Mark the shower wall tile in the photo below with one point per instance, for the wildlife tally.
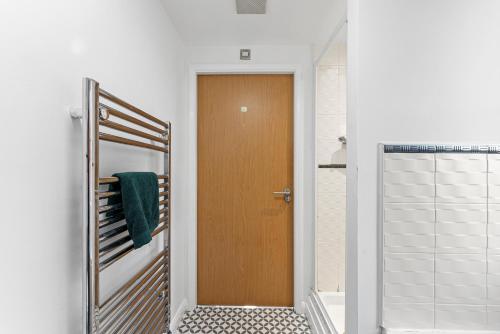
(493, 318)
(494, 280)
(494, 228)
(329, 127)
(461, 228)
(461, 178)
(441, 241)
(408, 278)
(409, 316)
(494, 178)
(331, 184)
(461, 317)
(331, 206)
(461, 279)
(331, 95)
(330, 151)
(409, 227)
(409, 178)
(331, 181)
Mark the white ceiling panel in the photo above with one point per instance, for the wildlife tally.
(216, 22)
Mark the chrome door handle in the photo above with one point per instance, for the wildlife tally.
(286, 193)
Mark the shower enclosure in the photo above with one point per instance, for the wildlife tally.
(331, 143)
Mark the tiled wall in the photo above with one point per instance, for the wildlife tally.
(441, 241)
(331, 183)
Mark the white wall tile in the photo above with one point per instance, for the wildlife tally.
(331, 230)
(409, 177)
(461, 178)
(409, 315)
(329, 127)
(409, 227)
(330, 151)
(494, 178)
(331, 92)
(461, 228)
(494, 318)
(331, 183)
(461, 317)
(494, 228)
(442, 248)
(493, 279)
(461, 279)
(408, 278)
(408, 262)
(332, 206)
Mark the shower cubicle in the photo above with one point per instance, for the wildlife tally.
(331, 145)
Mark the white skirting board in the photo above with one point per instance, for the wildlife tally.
(177, 316)
(435, 331)
(318, 318)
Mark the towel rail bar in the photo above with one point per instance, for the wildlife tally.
(109, 207)
(126, 129)
(137, 299)
(134, 301)
(112, 233)
(108, 221)
(157, 324)
(126, 141)
(147, 312)
(108, 194)
(114, 179)
(155, 264)
(114, 224)
(121, 253)
(115, 257)
(131, 119)
(108, 248)
(128, 106)
(152, 315)
(142, 304)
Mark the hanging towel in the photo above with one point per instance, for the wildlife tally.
(140, 202)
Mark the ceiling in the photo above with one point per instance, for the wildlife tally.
(215, 22)
(336, 53)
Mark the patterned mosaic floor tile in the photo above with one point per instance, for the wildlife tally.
(235, 320)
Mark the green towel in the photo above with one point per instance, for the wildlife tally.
(140, 201)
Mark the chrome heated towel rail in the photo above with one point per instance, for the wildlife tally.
(142, 304)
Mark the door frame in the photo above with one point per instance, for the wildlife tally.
(299, 292)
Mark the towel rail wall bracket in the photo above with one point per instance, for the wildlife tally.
(142, 304)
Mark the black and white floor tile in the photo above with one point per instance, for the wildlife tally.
(242, 320)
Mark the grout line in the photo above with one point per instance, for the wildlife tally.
(435, 236)
(487, 232)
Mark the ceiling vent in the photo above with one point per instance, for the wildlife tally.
(251, 6)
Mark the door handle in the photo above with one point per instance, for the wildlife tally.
(286, 193)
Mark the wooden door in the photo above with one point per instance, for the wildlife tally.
(245, 233)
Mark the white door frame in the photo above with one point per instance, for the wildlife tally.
(298, 177)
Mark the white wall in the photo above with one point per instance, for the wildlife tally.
(278, 55)
(131, 48)
(421, 71)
